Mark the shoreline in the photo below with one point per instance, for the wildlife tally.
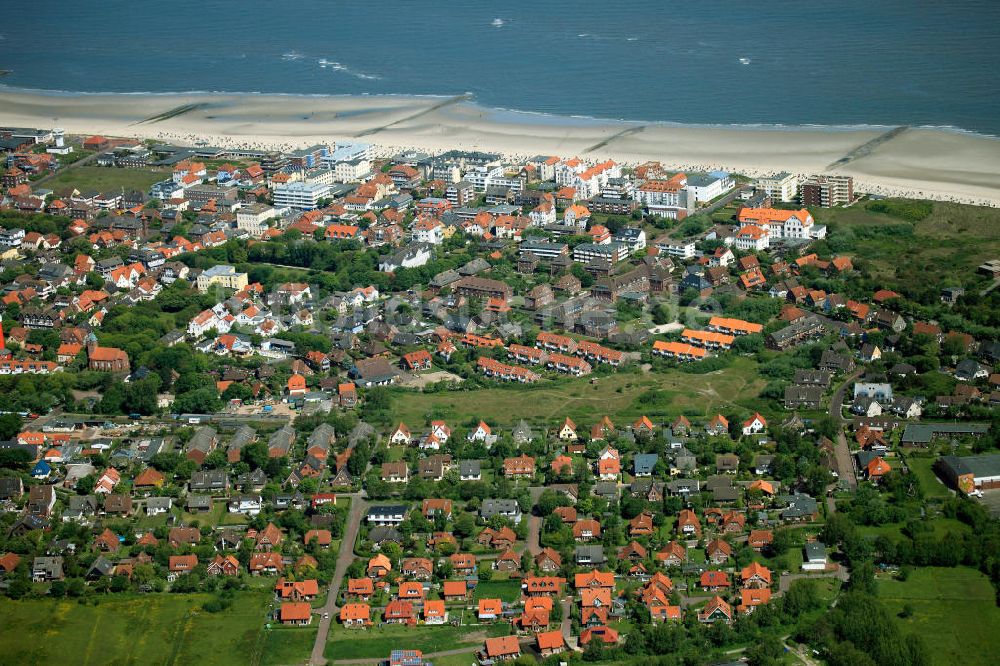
(495, 110)
(932, 163)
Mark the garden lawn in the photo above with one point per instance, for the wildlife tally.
(624, 396)
(149, 629)
(506, 590)
(379, 641)
(954, 610)
(929, 482)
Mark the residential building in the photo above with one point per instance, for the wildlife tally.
(827, 191)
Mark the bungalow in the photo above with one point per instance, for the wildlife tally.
(454, 590)
(435, 612)
(716, 610)
(756, 576)
(760, 539)
(522, 466)
(751, 598)
(360, 588)
(400, 436)
(295, 613)
(489, 609)
(500, 648)
(714, 581)
(379, 566)
(436, 507)
(302, 590)
(605, 635)
(182, 564)
(411, 590)
(688, 523)
(718, 551)
(395, 472)
(587, 529)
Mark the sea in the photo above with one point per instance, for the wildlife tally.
(707, 62)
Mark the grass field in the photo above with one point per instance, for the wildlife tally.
(152, 629)
(624, 396)
(288, 645)
(379, 641)
(944, 247)
(103, 179)
(954, 610)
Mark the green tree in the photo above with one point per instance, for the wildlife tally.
(10, 425)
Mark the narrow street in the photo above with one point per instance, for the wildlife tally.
(845, 468)
(359, 507)
(534, 530)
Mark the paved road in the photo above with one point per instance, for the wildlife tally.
(344, 558)
(842, 452)
(566, 626)
(446, 653)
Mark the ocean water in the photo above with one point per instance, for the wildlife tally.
(784, 62)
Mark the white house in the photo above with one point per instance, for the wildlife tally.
(754, 425)
(158, 505)
(248, 505)
(428, 230)
(752, 238)
(576, 216)
(543, 214)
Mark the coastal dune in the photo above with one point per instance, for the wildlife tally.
(917, 162)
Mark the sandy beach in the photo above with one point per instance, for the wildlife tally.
(923, 163)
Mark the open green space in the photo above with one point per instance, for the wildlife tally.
(379, 641)
(102, 179)
(626, 395)
(954, 610)
(150, 629)
(943, 248)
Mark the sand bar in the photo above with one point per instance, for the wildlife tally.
(927, 163)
